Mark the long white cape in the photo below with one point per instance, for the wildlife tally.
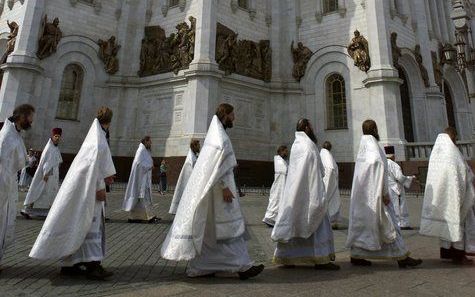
(140, 179)
(397, 181)
(277, 190)
(331, 182)
(182, 180)
(449, 193)
(12, 159)
(71, 214)
(50, 159)
(303, 205)
(216, 160)
(370, 223)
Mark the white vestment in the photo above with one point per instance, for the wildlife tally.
(12, 159)
(302, 228)
(373, 231)
(74, 228)
(397, 183)
(138, 195)
(331, 185)
(448, 209)
(42, 193)
(277, 190)
(206, 229)
(25, 178)
(183, 180)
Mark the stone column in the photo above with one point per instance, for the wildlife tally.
(427, 13)
(443, 21)
(383, 80)
(21, 72)
(201, 96)
(435, 18)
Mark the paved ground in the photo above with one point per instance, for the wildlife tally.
(134, 256)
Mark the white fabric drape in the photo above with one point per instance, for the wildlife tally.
(48, 166)
(203, 190)
(277, 190)
(12, 160)
(303, 205)
(71, 215)
(331, 184)
(370, 223)
(449, 193)
(140, 179)
(183, 180)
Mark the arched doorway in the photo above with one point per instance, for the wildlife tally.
(406, 107)
(449, 106)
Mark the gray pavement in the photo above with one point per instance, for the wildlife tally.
(134, 257)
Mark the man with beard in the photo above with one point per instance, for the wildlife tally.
(74, 230)
(373, 232)
(302, 229)
(397, 182)
(448, 211)
(138, 195)
(45, 184)
(185, 174)
(331, 184)
(277, 189)
(12, 159)
(209, 227)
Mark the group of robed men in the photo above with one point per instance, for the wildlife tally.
(209, 228)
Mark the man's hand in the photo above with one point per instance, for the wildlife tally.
(386, 199)
(101, 195)
(109, 180)
(46, 178)
(228, 195)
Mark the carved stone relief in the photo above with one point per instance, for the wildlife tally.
(50, 36)
(11, 40)
(358, 50)
(420, 63)
(160, 54)
(396, 51)
(301, 55)
(244, 57)
(108, 50)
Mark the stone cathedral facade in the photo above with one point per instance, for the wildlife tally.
(164, 65)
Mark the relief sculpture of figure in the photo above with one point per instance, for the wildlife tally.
(396, 51)
(224, 50)
(301, 55)
(358, 49)
(11, 40)
(422, 68)
(266, 51)
(49, 39)
(108, 50)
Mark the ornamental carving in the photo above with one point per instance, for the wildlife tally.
(420, 63)
(358, 49)
(49, 39)
(301, 55)
(160, 54)
(11, 40)
(437, 69)
(396, 51)
(108, 50)
(243, 57)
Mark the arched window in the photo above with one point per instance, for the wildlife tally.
(330, 6)
(336, 102)
(70, 94)
(244, 4)
(173, 3)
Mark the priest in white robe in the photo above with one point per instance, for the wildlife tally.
(330, 179)
(138, 195)
(448, 211)
(74, 230)
(45, 184)
(209, 228)
(373, 232)
(25, 175)
(302, 229)
(12, 160)
(277, 189)
(185, 174)
(397, 183)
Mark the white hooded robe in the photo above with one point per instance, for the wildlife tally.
(183, 180)
(277, 190)
(42, 193)
(331, 185)
(12, 160)
(74, 228)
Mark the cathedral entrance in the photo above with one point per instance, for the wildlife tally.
(406, 107)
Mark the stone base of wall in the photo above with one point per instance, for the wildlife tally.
(255, 173)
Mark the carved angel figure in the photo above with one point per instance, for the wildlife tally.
(108, 50)
(11, 40)
(358, 49)
(301, 55)
(49, 39)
